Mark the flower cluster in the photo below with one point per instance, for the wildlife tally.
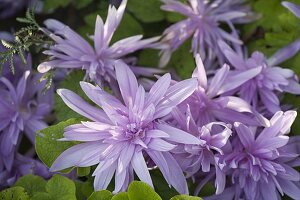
(203, 23)
(23, 109)
(224, 125)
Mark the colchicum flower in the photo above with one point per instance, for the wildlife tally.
(261, 162)
(22, 165)
(118, 137)
(72, 51)
(207, 105)
(203, 24)
(262, 89)
(23, 108)
(198, 158)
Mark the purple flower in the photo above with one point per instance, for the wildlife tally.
(198, 158)
(23, 108)
(72, 51)
(294, 8)
(22, 165)
(203, 25)
(261, 162)
(207, 105)
(118, 137)
(261, 90)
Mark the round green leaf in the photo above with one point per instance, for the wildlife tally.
(121, 196)
(101, 195)
(41, 196)
(185, 197)
(46, 144)
(32, 184)
(139, 190)
(61, 188)
(14, 193)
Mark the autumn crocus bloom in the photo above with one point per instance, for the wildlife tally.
(198, 158)
(262, 90)
(209, 102)
(202, 23)
(23, 108)
(261, 162)
(71, 51)
(118, 136)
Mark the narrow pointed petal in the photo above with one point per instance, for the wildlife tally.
(139, 165)
(158, 144)
(98, 35)
(177, 135)
(77, 104)
(174, 96)
(78, 154)
(199, 72)
(234, 81)
(170, 170)
(127, 82)
(285, 53)
(158, 90)
(245, 134)
(103, 178)
(294, 8)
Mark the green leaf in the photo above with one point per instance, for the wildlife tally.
(161, 186)
(127, 28)
(61, 188)
(101, 195)
(87, 188)
(121, 196)
(82, 3)
(138, 190)
(51, 5)
(32, 184)
(71, 82)
(83, 171)
(41, 196)
(146, 11)
(183, 61)
(148, 57)
(174, 17)
(46, 144)
(14, 193)
(185, 197)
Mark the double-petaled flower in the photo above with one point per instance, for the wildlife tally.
(121, 133)
(261, 161)
(203, 23)
(210, 103)
(23, 108)
(262, 89)
(71, 51)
